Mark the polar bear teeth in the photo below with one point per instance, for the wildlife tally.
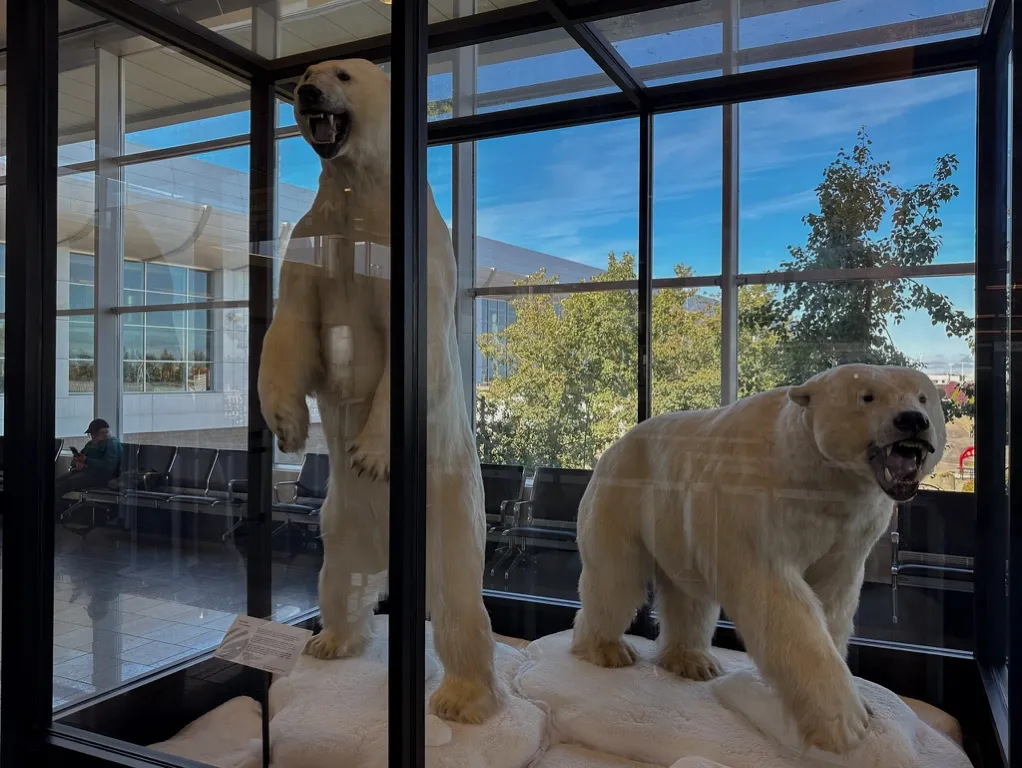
(323, 127)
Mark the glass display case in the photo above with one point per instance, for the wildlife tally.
(329, 313)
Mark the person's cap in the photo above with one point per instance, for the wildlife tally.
(95, 425)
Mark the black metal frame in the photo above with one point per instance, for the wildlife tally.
(26, 732)
(262, 236)
(992, 534)
(29, 378)
(408, 289)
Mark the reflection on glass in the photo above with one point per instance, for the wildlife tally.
(814, 31)
(539, 68)
(670, 45)
(158, 80)
(167, 520)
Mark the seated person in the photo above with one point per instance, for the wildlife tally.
(97, 464)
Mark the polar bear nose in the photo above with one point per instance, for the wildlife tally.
(912, 422)
(309, 97)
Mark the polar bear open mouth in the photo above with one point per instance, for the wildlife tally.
(899, 466)
(329, 131)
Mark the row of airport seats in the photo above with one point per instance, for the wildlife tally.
(201, 480)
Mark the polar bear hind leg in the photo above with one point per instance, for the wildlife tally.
(454, 574)
(616, 572)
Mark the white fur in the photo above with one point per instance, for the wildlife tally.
(329, 337)
(768, 508)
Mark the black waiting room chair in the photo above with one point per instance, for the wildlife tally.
(549, 518)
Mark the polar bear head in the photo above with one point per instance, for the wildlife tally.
(883, 423)
(343, 110)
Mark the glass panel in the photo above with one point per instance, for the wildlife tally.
(824, 30)
(315, 24)
(687, 192)
(927, 324)
(686, 349)
(839, 164)
(577, 210)
(554, 372)
(158, 581)
(171, 99)
(76, 121)
(670, 45)
(134, 278)
(532, 69)
(75, 240)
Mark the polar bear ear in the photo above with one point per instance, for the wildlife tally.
(799, 395)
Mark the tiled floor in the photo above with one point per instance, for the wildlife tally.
(122, 611)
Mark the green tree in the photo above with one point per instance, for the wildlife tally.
(570, 387)
(439, 108)
(843, 321)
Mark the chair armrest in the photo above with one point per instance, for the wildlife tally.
(281, 484)
(149, 477)
(507, 507)
(235, 487)
(519, 507)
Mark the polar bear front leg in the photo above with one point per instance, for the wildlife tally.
(290, 362)
(370, 451)
(837, 582)
(785, 632)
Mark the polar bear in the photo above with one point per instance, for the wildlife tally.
(767, 508)
(329, 338)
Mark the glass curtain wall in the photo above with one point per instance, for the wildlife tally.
(781, 236)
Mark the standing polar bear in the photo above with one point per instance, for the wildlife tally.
(329, 337)
(767, 508)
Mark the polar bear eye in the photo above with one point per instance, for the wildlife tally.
(922, 399)
(868, 397)
(343, 77)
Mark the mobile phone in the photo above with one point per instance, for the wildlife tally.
(74, 452)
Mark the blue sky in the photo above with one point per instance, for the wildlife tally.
(573, 193)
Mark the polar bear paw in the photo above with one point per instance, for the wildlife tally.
(370, 454)
(463, 701)
(612, 653)
(330, 645)
(688, 663)
(837, 726)
(287, 417)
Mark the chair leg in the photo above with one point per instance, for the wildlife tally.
(506, 554)
(894, 595)
(234, 526)
(514, 563)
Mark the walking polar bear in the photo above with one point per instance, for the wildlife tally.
(329, 337)
(767, 508)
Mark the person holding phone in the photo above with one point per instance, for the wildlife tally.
(95, 465)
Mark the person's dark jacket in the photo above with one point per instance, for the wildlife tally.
(102, 459)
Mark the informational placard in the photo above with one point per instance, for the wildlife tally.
(264, 645)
